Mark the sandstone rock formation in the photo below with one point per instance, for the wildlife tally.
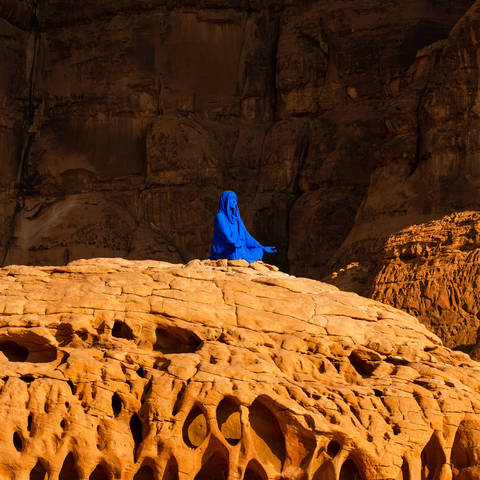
(215, 370)
(430, 271)
(125, 119)
(339, 124)
(415, 241)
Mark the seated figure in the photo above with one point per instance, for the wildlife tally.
(231, 239)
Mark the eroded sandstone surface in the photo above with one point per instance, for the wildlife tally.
(431, 271)
(214, 370)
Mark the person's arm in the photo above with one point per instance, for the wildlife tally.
(251, 242)
(254, 243)
(229, 236)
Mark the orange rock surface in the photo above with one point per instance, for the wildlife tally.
(114, 369)
(431, 271)
(339, 124)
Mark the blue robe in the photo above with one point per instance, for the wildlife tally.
(231, 239)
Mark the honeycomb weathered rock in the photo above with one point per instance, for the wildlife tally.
(216, 370)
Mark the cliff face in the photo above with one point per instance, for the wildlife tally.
(138, 115)
(429, 269)
(339, 124)
(148, 370)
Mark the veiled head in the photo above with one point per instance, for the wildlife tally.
(228, 205)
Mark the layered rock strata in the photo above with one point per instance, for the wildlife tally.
(113, 369)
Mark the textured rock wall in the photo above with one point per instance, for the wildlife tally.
(146, 370)
(431, 271)
(18, 45)
(143, 112)
(428, 269)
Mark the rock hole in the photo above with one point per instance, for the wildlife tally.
(65, 357)
(355, 412)
(350, 471)
(215, 468)
(69, 471)
(29, 422)
(64, 334)
(99, 474)
(141, 372)
(178, 401)
(310, 421)
(136, 429)
(27, 378)
(145, 473)
(228, 419)
(116, 404)
(405, 474)
(396, 430)
(171, 470)
(466, 446)
(72, 386)
(333, 420)
(195, 428)
(28, 348)
(161, 363)
(365, 362)
(176, 340)
(14, 352)
(378, 393)
(38, 472)
(83, 335)
(333, 448)
(122, 330)
(147, 390)
(63, 424)
(433, 458)
(254, 471)
(17, 442)
(267, 435)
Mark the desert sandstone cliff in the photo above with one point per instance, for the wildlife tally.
(114, 369)
(416, 240)
(122, 121)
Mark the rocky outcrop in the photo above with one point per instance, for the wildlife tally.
(414, 244)
(430, 271)
(146, 370)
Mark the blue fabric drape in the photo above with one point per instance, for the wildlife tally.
(231, 239)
